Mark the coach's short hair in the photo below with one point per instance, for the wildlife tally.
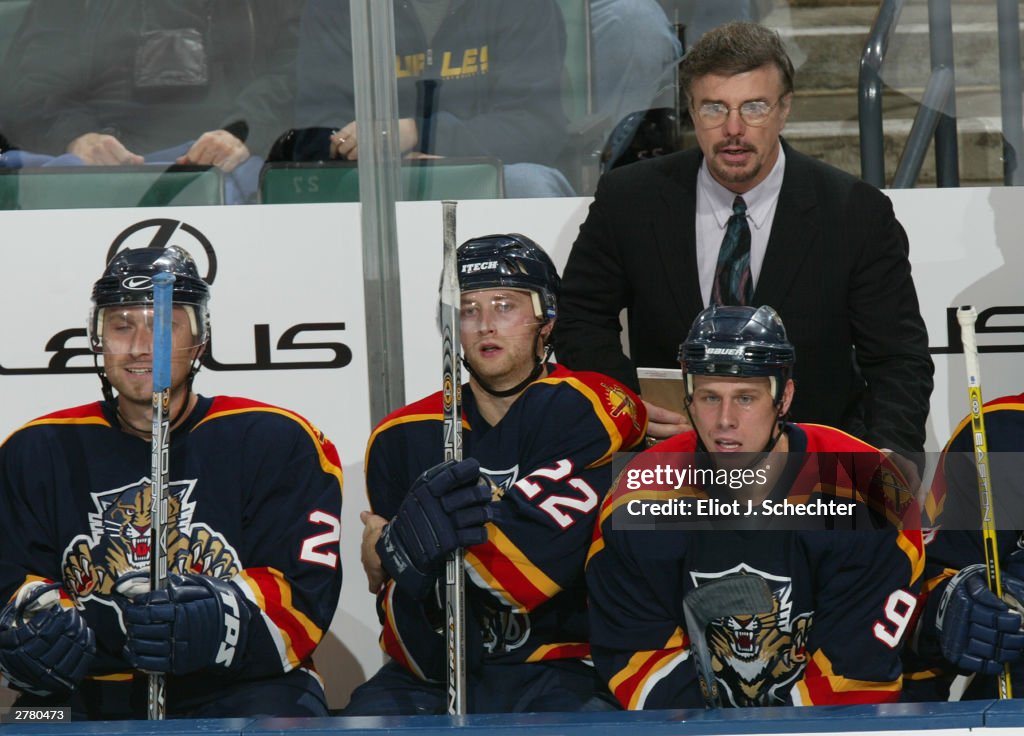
(734, 48)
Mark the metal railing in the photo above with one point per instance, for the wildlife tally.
(936, 115)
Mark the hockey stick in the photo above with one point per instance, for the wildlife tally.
(733, 595)
(163, 284)
(966, 316)
(451, 382)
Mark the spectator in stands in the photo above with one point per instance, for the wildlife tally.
(115, 81)
(635, 52)
(479, 78)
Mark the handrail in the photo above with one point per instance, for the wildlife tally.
(869, 92)
(940, 45)
(1010, 89)
(937, 96)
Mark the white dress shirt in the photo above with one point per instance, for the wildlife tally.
(714, 208)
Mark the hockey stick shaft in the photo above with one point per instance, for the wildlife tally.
(455, 582)
(967, 316)
(163, 287)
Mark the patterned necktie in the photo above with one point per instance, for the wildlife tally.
(733, 283)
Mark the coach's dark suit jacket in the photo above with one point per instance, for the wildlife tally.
(836, 270)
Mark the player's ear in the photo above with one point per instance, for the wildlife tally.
(545, 331)
(787, 397)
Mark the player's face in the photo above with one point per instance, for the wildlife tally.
(740, 155)
(736, 414)
(499, 334)
(128, 351)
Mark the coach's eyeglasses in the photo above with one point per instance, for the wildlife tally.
(752, 112)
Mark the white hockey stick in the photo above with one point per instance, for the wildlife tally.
(451, 382)
(733, 595)
(163, 290)
(967, 316)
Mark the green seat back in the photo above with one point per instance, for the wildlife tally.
(77, 187)
(338, 181)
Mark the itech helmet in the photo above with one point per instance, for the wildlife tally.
(738, 342)
(128, 281)
(511, 261)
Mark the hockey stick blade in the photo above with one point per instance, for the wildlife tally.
(733, 595)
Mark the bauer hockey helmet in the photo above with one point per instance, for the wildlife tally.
(512, 261)
(127, 281)
(743, 342)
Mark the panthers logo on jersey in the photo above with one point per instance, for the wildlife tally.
(119, 541)
(757, 659)
(621, 404)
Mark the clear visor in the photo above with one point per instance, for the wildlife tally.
(129, 330)
(500, 309)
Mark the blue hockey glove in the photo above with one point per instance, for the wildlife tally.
(977, 631)
(445, 509)
(196, 622)
(45, 649)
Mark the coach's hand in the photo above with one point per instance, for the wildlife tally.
(45, 648)
(196, 622)
(445, 509)
(978, 631)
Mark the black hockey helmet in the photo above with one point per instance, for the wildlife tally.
(738, 341)
(511, 261)
(128, 281)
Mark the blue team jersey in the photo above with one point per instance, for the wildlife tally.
(955, 540)
(255, 498)
(843, 589)
(549, 463)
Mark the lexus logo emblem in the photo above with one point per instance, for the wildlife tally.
(163, 231)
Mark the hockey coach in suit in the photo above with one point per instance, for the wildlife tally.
(821, 247)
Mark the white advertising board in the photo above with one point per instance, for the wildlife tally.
(292, 274)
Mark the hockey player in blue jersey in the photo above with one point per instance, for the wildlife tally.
(842, 592)
(253, 531)
(539, 441)
(964, 628)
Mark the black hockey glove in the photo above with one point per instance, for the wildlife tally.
(45, 649)
(196, 622)
(445, 509)
(977, 631)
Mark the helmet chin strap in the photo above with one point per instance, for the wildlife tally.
(538, 369)
(110, 398)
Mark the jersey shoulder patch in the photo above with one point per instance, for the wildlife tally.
(616, 406)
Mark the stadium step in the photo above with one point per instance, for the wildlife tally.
(826, 39)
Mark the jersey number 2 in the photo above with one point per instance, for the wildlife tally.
(332, 537)
(553, 504)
